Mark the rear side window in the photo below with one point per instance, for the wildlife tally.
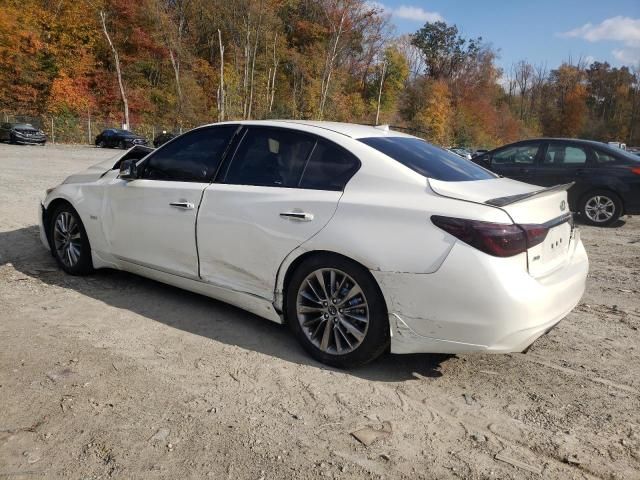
(428, 160)
(270, 157)
(565, 156)
(329, 168)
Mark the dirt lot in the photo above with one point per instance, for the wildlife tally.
(117, 376)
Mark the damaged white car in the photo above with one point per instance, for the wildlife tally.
(361, 239)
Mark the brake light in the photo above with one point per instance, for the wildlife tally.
(636, 170)
(497, 239)
(535, 234)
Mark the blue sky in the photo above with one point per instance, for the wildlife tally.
(542, 31)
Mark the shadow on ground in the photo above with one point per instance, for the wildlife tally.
(192, 313)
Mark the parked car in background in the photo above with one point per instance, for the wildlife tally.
(361, 239)
(24, 133)
(117, 138)
(619, 145)
(607, 179)
(463, 152)
(478, 152)
(164, 137)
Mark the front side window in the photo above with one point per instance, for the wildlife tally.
(428, 160)
(270, 157)
(516, 155)
(193, 157)
(565, 156)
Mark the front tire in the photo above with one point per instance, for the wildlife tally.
(69, 241)
(335, 309)
(122, 145)
(100, 144)
(600, 208)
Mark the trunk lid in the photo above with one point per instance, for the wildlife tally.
(526, 205)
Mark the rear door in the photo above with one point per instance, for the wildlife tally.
(280, 188)
(517, 161)
(565, 162)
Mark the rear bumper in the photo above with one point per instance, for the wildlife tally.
(478, 303)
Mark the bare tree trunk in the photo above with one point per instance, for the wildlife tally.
(384, 70)
(253, 62)
(273, 80)
(221, 86)
(245, 80)
(118, 71)
(176, 70)
(331, 58)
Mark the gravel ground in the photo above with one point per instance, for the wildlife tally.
(114, 375)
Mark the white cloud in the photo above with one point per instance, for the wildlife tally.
(619, 29)
(624, 30)
(417, 14)
(627, 56)
(408, 12)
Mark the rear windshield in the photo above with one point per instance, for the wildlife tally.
(428, 160)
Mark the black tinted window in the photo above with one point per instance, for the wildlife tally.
(329, 168)
(427, 159)
(565, 156)
(516, 155)
(270, 157)
(193, 157)
(614, 156)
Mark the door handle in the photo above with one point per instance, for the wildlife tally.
(300, 216)
(183, 205)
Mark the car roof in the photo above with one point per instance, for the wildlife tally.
(592, 143)
(351, 130)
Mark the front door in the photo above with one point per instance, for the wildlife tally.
(280, 189)
(151, 221)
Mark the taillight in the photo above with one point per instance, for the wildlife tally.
(636, 170)
(535, 234)
(497, 239)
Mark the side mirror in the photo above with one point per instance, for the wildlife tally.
(129, 169)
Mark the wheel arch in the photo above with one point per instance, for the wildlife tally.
(294, 260)
(48, 211)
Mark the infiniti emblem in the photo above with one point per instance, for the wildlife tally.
(563, 206)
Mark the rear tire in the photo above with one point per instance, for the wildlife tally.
(600, 208)
(69, 241)
(342, 321)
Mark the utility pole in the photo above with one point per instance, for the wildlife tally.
(384, 70)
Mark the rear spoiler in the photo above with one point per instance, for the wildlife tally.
(503, 201)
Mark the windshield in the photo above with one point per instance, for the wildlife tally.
(428, 160)
(125, 133)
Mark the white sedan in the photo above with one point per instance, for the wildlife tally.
(360, 238)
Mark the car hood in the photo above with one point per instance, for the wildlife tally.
(94, 172)
(97, 171)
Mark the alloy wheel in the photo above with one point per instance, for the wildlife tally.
(600, 209)
(332, 311)
(67, 239)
